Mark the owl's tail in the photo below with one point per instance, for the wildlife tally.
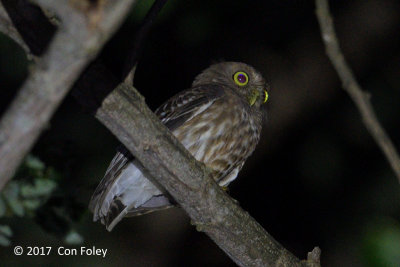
(125, 191)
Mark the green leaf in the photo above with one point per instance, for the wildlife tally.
(41, 187)
(5, 230)
(73, 238)
(382, 243)
(35, 163)
(4, 241)
(11, 191)
(11, 195)
(31, 204)
(17, 207)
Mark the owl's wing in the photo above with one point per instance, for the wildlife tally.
(187, 104)
(107, 202)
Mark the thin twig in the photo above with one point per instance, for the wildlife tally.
(79, 38)
(7, 28)
(140, 37)
(31, 24)
(350, 85)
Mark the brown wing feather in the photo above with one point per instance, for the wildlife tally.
(117, 165)
(182, 106)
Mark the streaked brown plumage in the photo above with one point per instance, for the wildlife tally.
(218, 120)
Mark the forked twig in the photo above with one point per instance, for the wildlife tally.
(351, 86)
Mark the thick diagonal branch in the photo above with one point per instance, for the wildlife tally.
(125, 113)
(350, 85)
(82, 33)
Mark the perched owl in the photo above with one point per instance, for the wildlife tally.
(218, 120)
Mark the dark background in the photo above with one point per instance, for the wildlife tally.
(316, 179)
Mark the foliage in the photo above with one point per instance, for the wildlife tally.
(382, 243)
(28, 195)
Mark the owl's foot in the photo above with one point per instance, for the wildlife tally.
(200, 226)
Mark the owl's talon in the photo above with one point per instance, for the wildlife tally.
(236, 201)
(200, 227)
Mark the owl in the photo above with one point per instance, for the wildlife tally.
(218, 120)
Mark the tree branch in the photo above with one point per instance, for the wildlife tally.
(7, 28)
(350, 85)
(83, 32)
(33, 27)
(140, 37)
(125, 113)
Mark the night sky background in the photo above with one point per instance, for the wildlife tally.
(317, 178)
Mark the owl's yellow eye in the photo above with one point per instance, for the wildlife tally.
(241, 78)
(265, 96)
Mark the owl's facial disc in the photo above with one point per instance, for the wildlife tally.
(242, 79)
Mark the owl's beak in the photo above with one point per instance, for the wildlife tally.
(252, 97)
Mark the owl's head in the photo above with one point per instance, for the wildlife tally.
(242, 78)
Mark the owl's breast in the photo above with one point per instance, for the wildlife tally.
(222, 136)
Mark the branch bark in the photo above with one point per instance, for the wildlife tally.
(212, 211)
(83, 32)
(360, 98)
